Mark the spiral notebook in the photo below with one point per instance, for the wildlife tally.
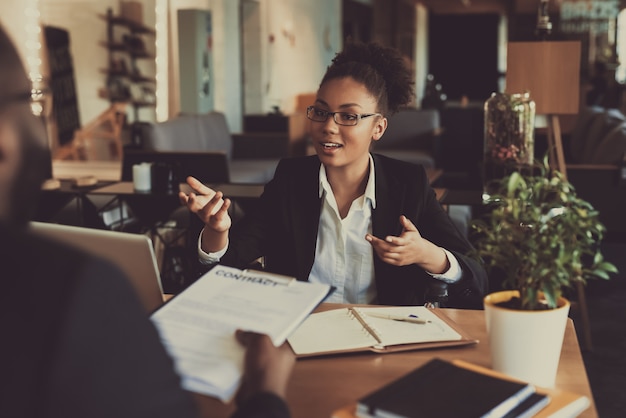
(378, 329)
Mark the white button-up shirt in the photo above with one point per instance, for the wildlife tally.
(343, 258)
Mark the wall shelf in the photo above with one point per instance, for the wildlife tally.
(130, 24)
(136, 78)
(122, 47)
(126, 44)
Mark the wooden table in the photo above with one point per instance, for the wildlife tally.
(322, 385)
(231, 190)
(151, 208)
(103, 170)
(52, 201)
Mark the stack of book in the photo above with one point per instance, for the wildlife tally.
(455, 389)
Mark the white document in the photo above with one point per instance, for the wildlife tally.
(197, 327)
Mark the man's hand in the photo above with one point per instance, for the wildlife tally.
(266, 368)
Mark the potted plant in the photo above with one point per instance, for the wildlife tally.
(542, 239)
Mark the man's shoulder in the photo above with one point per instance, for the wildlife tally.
(49, 273)
(56, 250)
(33, 255)
(18, 241)
(40, 274)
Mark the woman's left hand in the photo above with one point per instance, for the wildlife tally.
(410, 248)
(401, 250)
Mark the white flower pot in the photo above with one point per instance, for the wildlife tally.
(525, 344)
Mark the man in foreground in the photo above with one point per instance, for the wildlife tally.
(75, 339)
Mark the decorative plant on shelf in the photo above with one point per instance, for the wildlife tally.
(509, 127)
(509, 139)
(541, 236)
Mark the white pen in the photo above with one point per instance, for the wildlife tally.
(411, 318)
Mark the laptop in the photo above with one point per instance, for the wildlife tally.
(208, 167)
(132, 253)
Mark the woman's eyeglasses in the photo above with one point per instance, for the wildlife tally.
(341, 118)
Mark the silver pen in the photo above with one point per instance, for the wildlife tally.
(411, 318)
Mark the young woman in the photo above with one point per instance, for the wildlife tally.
(369, 225)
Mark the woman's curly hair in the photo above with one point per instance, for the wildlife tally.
(381, 69)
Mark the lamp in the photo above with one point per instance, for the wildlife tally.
(550, 72)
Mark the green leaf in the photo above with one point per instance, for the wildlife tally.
(601, 274)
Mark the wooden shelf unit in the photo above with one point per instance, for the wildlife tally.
(123, 78)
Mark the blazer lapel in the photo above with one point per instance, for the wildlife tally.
(389, 203)
(306, 208)
(386, 221)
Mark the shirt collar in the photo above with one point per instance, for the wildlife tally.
(370, 187)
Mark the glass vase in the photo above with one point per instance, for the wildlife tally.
(509, 137)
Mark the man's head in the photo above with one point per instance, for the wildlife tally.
(23, 148)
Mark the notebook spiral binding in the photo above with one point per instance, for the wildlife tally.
(372, 330)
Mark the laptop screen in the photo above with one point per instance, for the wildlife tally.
(132, 253)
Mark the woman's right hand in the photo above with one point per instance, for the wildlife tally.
(209, 205)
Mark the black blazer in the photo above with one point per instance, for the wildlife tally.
(283, 229)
